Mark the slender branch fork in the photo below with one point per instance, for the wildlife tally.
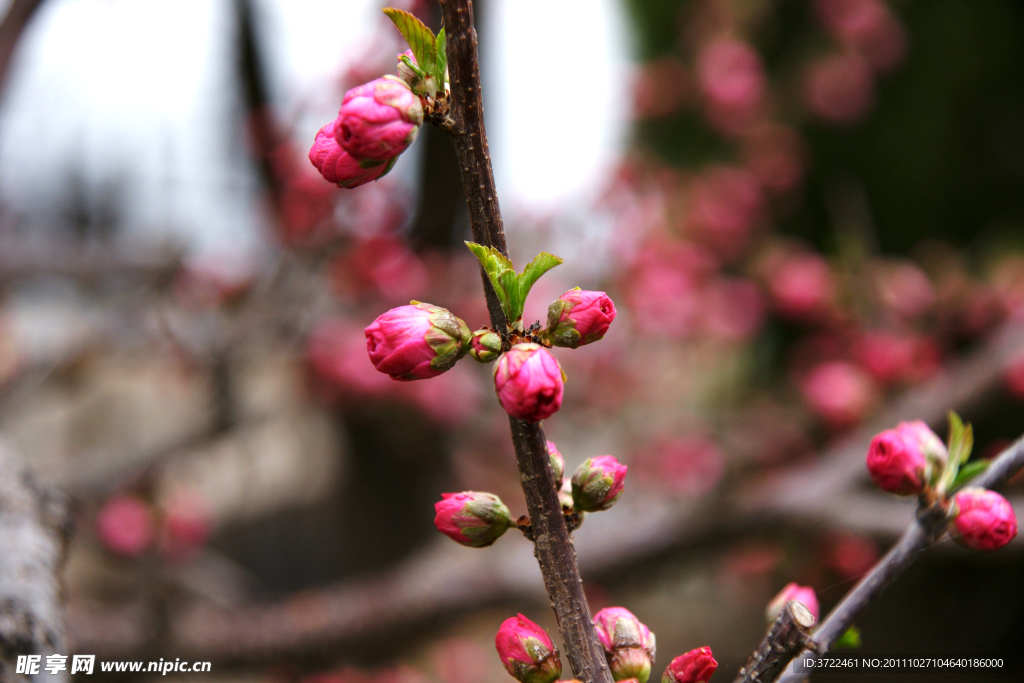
(553, 547)
(926, 529)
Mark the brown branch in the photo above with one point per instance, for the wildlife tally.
(784, 640)
(554, 550)
(929, 527)
(34, 526)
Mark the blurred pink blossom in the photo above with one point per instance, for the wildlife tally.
(125, 525)
(385, 266)
(905, 289)
(682, 465)
(774, 153)
(187, 523)
(1013, 375)
(850, 555)
(891, 357)
(733, 309)
(867, 26)
(337, 356)
(725, 201)
(802, 286)
(660, 87)
(732, 82)
(839, 392)
(839, 88)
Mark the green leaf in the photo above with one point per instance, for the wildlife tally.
(420, 38)
(967, 473)
(501, 274)
(441, 51)
(850, 639)
(510, 286)
(541, 263)
(961, 441)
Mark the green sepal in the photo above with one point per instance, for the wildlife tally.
(961, 441)
(849, 639)
(967, 473)
(511, 287)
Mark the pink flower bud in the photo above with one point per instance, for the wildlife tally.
(378, 120)
(983, 519)
(897, 464)
(418, 341)
(485, 345)
(579, 317)
(557, 462)
(628, 644)
(125, 525)
(803, 594)
(529, 382)
(916, 431)
(472, 518)
(527, 652)
(338, 167)
(696, 666)
(597, 484)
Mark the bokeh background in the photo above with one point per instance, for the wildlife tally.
(810, 215)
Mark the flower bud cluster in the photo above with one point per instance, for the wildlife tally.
(912, 460)
(377, 121)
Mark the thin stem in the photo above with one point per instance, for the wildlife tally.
(553, 547)
(929, 527)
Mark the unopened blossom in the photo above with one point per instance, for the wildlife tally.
(418, 341)
(378, 120)
(529, 382)
(628, 644)
(897, 463)
(125, 525)
(805, 595)
(696, 666)
(557, 462)
(472, 518)
(598, 483)
(485, 345)
(527, 652)
(339, 167)
(983, 519)
(579, 317)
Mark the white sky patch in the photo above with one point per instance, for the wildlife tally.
(556, 122)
